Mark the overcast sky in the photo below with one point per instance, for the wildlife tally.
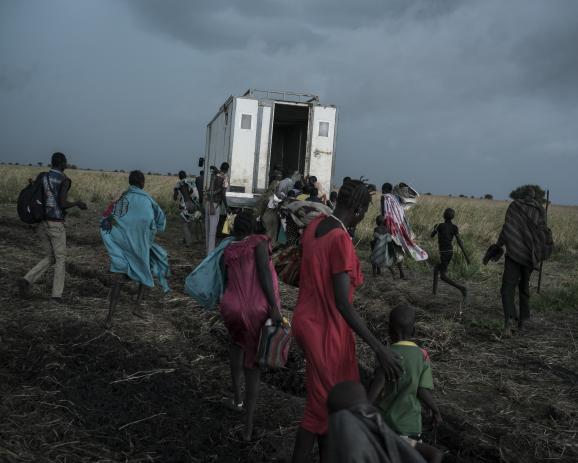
(452, 96)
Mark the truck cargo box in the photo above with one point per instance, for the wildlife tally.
(263, 130)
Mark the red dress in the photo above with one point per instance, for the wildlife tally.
(244, 306)
(318, 326)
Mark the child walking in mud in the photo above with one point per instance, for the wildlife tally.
(400, 401)
(446, 232)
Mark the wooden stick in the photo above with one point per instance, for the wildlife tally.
(546, 220)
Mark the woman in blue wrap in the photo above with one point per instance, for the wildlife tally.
(128, 229)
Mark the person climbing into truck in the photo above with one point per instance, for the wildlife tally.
(332, 201)
(314, 183)
(314, 196)
(446, 232)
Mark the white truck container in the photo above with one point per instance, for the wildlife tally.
(263, 130)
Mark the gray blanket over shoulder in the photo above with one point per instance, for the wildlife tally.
(359, 435)
(519, 233)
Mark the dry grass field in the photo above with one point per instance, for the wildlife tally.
(92, 186)
(151, 390)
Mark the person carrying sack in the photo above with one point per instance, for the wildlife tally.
(251, 297)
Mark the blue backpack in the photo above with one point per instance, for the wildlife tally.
(205, 283)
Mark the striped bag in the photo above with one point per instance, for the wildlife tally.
(274, 345)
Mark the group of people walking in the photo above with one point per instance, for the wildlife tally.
(324, 320)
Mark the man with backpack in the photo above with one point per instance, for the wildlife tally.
(528, 242)
(51, 194)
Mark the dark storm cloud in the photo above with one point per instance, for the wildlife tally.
(453, 96)
(232, 24)
(549, 53)
(220, 24)
(15, 79)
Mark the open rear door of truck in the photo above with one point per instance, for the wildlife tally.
(322, 129)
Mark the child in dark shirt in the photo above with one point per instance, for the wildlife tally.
(384, 252)
(379, 237)
(446, 232)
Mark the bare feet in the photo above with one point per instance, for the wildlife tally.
(507, 331)
(524, 325)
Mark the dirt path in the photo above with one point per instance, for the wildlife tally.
(151, 390)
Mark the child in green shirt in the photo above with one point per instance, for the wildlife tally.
(400, 401)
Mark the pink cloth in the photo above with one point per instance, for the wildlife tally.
(244, 306)
(398, 226)
(318, 326)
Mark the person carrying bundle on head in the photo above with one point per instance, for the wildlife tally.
(396, 222)
(324, 319)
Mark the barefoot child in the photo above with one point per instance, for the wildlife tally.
(400, 402)
(384, 252)
(446, 232)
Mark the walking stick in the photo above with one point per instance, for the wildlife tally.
(546, 220)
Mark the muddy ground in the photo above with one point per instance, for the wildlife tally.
(151, 390)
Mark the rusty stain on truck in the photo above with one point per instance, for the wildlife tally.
(318, 153)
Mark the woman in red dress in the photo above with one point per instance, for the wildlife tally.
(324, 318)
(251, 297)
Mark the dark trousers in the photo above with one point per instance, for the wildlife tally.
(516, 275)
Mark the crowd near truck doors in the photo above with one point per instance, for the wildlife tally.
(263, 131)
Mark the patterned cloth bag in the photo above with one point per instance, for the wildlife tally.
(274, 345)
(287, 262)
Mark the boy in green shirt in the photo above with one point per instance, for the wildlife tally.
(400, 401)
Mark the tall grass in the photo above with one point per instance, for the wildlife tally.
(94, 187)
(560, 298)
(479, 221)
